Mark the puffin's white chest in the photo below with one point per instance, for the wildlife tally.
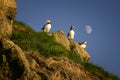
(47, 27)
(71, 34)
(83, 45)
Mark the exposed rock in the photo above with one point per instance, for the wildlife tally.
(76, 48)
(56, 68)
(7, 44)
(7, 15)
(71, 45)
(61, 38)
(15, 58)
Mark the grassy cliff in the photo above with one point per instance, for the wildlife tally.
(46, 45)
(31, 55)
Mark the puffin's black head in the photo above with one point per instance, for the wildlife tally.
(48, 21)
(72, 27)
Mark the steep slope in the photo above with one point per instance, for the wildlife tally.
(41, 57)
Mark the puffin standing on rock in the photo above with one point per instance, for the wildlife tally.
(71, 33)
(47, 26)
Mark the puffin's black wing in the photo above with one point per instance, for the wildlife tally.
(68, 34)
(79, 43)
(43, 27)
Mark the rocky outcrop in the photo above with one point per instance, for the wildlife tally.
(7, 15)
(71, 45)
(56, 68)
(13, 64)
(60, 37)
(12, 58)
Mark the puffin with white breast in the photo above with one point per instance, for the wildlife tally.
(83, 44)
(47, 26)
(71, 33)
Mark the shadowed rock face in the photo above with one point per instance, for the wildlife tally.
(7, 15)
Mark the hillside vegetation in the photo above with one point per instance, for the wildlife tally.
(41, 42)
(45, 45)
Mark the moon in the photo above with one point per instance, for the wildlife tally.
(88, 29)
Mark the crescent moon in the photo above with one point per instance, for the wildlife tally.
(88, 29)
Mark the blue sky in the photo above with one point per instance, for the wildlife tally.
(102, 15)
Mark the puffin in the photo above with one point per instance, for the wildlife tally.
(71, 33)
(46, 28)
(83, 44)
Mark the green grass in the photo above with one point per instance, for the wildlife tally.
(46, 45)
(42, 42)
